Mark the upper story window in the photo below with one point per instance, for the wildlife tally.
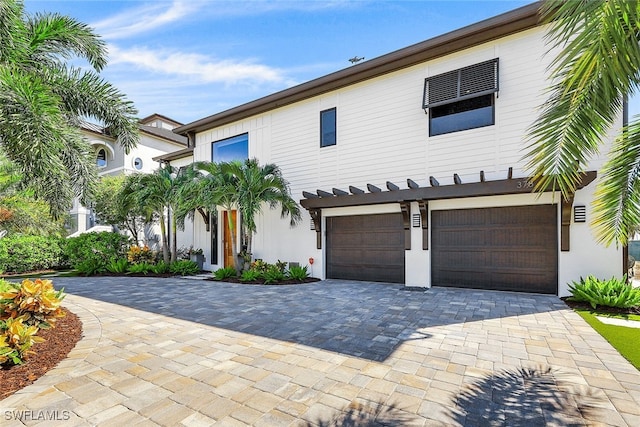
(461, 99)
(234, 148)
(137, 163)
(101, 158)
(328, 127)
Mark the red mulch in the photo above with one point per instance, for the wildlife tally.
(59, 341)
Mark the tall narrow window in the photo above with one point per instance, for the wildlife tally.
(461, 99)
(101, 158)
(328, 127)
(234, 148)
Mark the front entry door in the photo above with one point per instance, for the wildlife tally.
(227, 242)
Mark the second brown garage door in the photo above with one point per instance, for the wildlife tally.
(510, 248)
(366, 247)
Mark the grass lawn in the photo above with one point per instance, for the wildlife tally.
(625, 340)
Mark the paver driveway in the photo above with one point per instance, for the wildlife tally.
(187, 352)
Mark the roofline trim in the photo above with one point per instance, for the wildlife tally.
(186, 152)
(502, 25)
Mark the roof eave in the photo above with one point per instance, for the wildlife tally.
(181, 154)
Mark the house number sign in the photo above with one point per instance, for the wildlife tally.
(524, 184)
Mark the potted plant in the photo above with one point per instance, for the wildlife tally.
(244, 260)
(197, 256)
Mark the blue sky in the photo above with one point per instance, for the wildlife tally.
(190, 59)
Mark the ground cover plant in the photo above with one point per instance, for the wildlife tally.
(616, 293)
(112, 254)
(263, 273)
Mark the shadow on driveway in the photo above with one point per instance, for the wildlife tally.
(362, 319)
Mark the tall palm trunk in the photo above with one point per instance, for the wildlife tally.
(234, 240)
(165, 240)
(174, 237)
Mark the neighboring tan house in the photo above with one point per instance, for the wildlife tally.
(410, 168)
(156, 139)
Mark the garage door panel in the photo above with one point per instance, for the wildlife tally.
(366, 247)
(510, 248)
(457, 237)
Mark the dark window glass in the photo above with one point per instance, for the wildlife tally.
(462, 115)
(328, 127)
(101, 158)
(234, 148)
(213, 227)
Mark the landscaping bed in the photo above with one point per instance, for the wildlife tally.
(261, 282)
(59, 341)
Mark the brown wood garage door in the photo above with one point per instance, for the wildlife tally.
(366, 247)
(509, 248)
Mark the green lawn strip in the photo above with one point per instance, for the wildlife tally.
(623, 339)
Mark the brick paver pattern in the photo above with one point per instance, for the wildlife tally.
(178, 352)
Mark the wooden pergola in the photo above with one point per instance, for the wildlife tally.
(321, 199)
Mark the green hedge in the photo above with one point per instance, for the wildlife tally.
(21, 254)
(96, 249)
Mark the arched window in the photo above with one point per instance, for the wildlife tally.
(101, 158)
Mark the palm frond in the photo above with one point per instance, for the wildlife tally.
(617, 202)
(53, 36)
(596, 67)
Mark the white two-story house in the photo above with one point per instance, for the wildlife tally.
(409, 168)
(156, 138)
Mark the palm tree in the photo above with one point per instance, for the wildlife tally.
(159, 193)
(42, 100)
(257, 185)
(597, 68)
(215, 188)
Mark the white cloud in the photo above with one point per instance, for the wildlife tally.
(145, 18)
(195, 66)
(149, 17)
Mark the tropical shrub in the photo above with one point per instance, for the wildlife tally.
(24, 310)
(224, 273)
(90, 267)
(161, 267)
(250, 276)
(610, 293)
(36, 302)
(118, 266)
(141, 268)
(138, 254)
(6, 352)
(97, 248)
(16, 340)
(259, 265)
(273, 274)
(20, 254)
(184, 267)
(298, 273)
(281, 265)
(5, 286)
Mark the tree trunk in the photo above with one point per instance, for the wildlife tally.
(249, 242)
(174, 237)
(234, 240)
(165, 240)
